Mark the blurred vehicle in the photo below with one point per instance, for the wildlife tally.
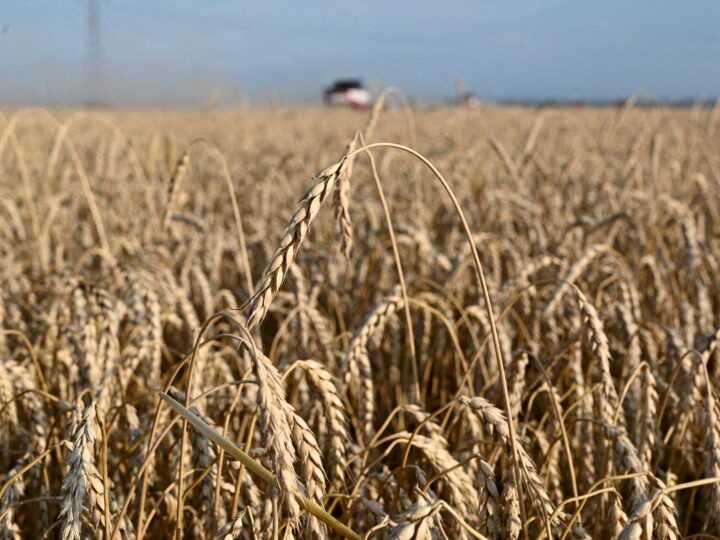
(347, 93)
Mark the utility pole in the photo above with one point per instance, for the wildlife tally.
(94, 60)
(459, 90)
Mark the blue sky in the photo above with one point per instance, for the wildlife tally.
(177, 52)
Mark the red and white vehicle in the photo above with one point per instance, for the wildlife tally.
(347, 93)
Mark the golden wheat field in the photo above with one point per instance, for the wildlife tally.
(497, 323)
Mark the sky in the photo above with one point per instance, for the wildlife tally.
(184, 53)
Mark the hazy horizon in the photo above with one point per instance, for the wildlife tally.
(179, 53)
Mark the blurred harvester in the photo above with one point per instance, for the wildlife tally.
(347, 93)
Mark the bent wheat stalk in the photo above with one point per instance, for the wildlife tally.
(294, 234)
(257, 469)
(482, 282)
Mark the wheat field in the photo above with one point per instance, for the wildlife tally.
(411, 324)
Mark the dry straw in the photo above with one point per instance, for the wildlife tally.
(523, 348)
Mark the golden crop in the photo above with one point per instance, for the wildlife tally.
(342, 338)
